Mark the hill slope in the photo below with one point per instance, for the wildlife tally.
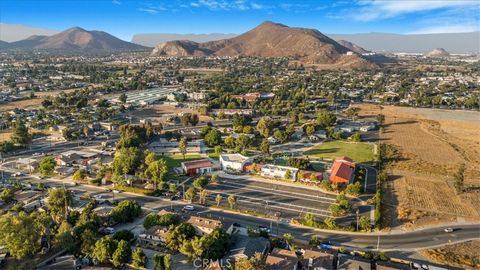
(271, 40)
(78, 39)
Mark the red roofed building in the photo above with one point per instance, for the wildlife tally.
(201, 166)
(342, 171)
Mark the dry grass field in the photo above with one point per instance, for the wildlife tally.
(465, 255)
(433, 144)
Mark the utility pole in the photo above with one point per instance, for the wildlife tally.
(357, 212)
(378, 242)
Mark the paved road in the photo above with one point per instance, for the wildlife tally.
(405, 241)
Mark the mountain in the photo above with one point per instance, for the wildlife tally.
(352, 46)
(78, 39)
(16, 32)
(438, 52)
(414, 43)
(271, 40)
(153, 39)
(4, 44)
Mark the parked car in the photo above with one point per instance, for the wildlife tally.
(263, 229)
(106, 230)
(448, 230)
(189, 207)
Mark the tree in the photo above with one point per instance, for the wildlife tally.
(159, 220)
(288, 237)
(229, 142)
(19, 235)
(104, 249)
(213, 137)
(122, 254)
(193, 119)
(150, 157)
(310, 220)
(79, 175)
(200, 183)
(256, 262)
(179, 234)
(243, 142)
(314, 241)
(265, 147)
(281, 136)
(356, 137)
(203, 194)
(212, 246)
(214, 178)
(264, 126)
(156, 171)
(185, 118)
(232, 201)
(88, 240)
(310, 130)
(126, 160)
(46, 166)
(288, 175)
(330, 223)
(353, 188)
(364, 223)
(20, 133)
(218, 199)
(58, 201)
(182, 146)
(352, 112)
(190, 194)
(126, 211)
(7, 195)
(139, 259)
(459, 178)
(64, 237)
(325, 118)
(172, 187)
(124, 235)
(123, 98)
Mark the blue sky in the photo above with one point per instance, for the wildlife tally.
(124, 18)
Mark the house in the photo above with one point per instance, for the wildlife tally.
(282, 259)
(306, 176)
(201, 166)
(245, 247)
(380, 265)
(298, 134)
(347, 262)
(321, 134)
(277, 171)
(204, 225)
(153, 237)
(233, 162)
(249, 97)
(342, 171)
(272, 140)
(315, 259)
(231, 112)
(67, 159)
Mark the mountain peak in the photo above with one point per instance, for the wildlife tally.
(76, 29)
(271, 24)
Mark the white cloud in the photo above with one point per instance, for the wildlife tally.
(116, 2)
(148, 10)
(256, 6)
(378, 9)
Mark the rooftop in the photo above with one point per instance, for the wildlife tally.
(234, 157)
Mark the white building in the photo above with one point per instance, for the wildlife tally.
(277, 171)
(233, 162)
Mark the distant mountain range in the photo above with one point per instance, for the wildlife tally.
(417, 43)
(377, 42)
(16, 32)
(152, 40)
(271, 39)
(75, 39)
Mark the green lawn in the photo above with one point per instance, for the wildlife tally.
(359, 152)
(176, 160)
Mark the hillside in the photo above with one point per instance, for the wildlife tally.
(352, 46)
(78, 39)
(438, 52)
(153, 39)
(270, 39)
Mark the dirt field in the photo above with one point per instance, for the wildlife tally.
(464, 255)
(30, 103)
(159, 110)
(433, 144)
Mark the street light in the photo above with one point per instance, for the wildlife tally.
(357, 212)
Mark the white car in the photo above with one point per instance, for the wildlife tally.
(189, 207)
(448, 230)
(117, 191)
(17, 174)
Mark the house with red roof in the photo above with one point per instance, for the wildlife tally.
(342, 171)
(201, 166)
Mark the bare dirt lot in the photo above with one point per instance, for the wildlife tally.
(433, 144)
(463, 255)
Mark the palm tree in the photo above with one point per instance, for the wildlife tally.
(203, 194)
(232, 201)
(218, 199)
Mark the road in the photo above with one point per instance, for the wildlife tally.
(398, 241)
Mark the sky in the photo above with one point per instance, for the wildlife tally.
(124, 18)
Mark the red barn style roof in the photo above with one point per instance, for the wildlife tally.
(342, 170)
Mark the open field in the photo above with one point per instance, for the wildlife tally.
(30, 103)
(433, 144)
(463, 255)
(158, 110)
(176, 160)
(359, 152)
